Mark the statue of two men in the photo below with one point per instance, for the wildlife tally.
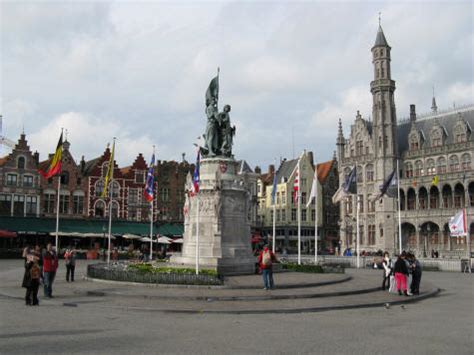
(219, 132)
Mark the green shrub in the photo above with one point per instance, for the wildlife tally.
(149, 268)
(310, 268)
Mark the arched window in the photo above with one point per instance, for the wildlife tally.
(453, 163)
(99, 209)
(441, 165)
(99, 187)
(115, 210)
(408, 170)
(466, 161)
(115, 186)
(431, 167)
(419, 168)
(369, 172)
(359, 174)
(21, 162)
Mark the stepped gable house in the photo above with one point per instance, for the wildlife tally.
(20, 181)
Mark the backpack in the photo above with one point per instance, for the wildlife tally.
(35, 272)
(267, 258)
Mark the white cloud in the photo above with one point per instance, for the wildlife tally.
(89, 135)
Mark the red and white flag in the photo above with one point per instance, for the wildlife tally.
(458, 224)
(296, 184)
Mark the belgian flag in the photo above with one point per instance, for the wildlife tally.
(55, 163)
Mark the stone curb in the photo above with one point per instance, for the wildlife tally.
(236, 298)
(227, 287)
(429, 294)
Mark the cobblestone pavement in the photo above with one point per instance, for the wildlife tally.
(96, 317)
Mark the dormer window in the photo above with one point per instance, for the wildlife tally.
(139, 177)
(21, 162)
(437, 137)
(460, 137)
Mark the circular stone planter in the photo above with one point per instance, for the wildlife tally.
(120, 272)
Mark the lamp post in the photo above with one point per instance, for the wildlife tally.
(428, 230)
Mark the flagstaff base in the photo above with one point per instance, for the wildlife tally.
(224, 227)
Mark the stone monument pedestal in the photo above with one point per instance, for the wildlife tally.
(224, 228)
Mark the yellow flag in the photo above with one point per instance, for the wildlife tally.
(110, 172)
(435, 180)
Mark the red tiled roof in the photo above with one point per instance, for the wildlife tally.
(125, 170)
(323, 170)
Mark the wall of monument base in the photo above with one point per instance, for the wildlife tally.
(224, 266)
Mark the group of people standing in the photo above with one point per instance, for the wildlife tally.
(41, 266)
(397, 275)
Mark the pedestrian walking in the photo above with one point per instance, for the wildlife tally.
(31, 280)
(70, 257)
(401, 273)
(416, 275)
(50, 266)
(266, 260)
(387, 272)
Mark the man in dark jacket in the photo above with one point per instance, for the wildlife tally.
(50, 266)
(401, 273)
(416, 275)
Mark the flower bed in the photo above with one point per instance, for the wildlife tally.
(312, 268)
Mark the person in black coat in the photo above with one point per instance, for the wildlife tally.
(416, 275)
(401, 273)
(31, 280)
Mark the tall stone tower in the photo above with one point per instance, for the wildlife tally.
(384, 137)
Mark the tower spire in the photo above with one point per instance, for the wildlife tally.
(434, 108)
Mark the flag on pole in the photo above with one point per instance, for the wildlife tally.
(389, 187)
(55, 163)
(458, 224)
(110, 172)
(274, 189)
(348, 187)
(296, 184)
(148, 192)
(314, 187)
(195, 186)
(435, 180)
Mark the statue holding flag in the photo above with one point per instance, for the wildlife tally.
(219, 134)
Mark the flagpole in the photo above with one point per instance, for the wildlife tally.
(399, 213)
(110, 203)
(316, 214)
(299, 212)
(357, 233)
(274, 228)
(57, 215)
(151, 212)
(151, 230)
(197, 233)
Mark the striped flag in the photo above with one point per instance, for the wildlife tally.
(55, 164)
(296, 184)
(274, 189)
(196, 177)
(148, 192)
(110, 172)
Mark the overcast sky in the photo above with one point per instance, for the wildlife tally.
(139, 71)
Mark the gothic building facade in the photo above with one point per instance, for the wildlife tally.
(432, 155)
